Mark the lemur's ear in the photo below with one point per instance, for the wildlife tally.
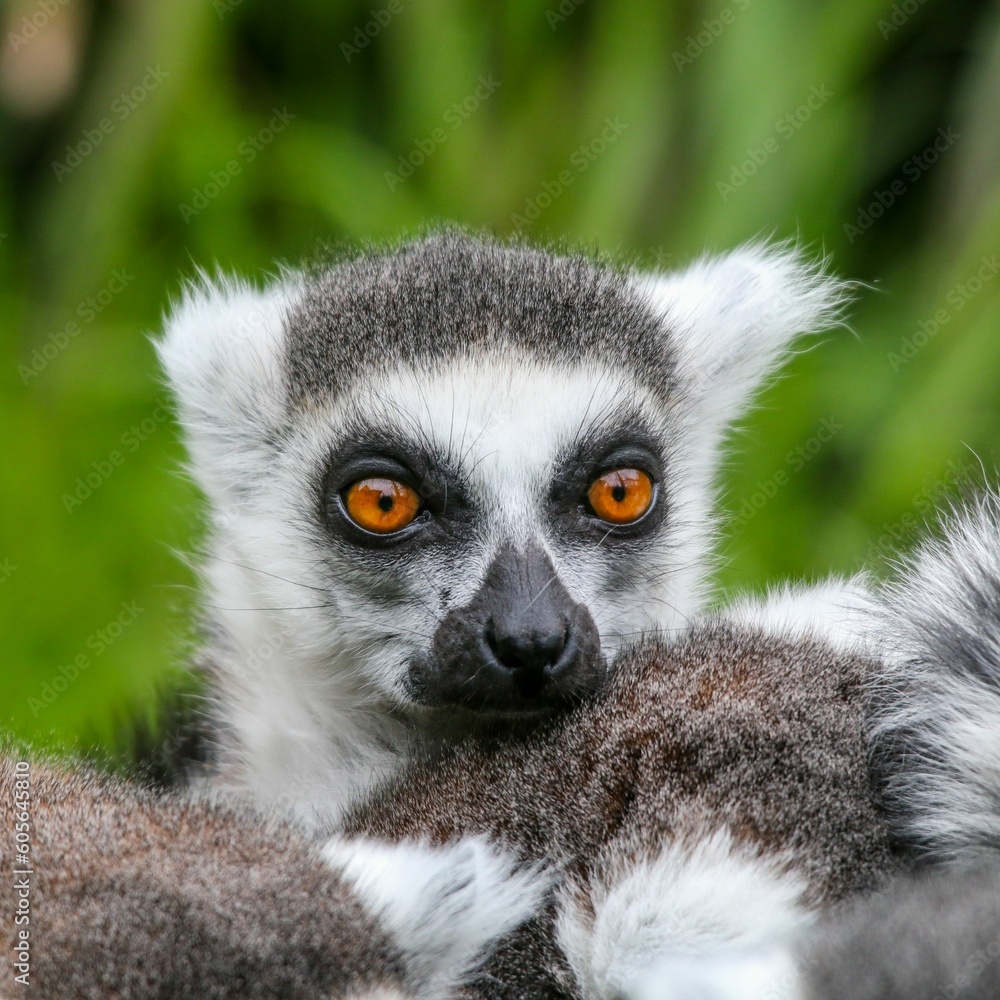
(223, 352)
(733, 316)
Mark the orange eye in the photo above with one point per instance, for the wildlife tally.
(381, 505)
(621, 496)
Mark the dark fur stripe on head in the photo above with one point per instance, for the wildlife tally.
(451, 293)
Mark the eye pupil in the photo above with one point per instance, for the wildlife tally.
(618, 493)
(385, 503)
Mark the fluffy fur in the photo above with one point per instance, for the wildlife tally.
(503, 374)
(441, 906)
(701, 811)
(692, 901)
(710, 801)
(837, 610)
(932, 937)
(936, 712)
(934, 720)
(692, 819)
(141, 897)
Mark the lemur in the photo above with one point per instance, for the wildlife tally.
(708, 804)
(448, 481)
(708, 822)
(462, 503)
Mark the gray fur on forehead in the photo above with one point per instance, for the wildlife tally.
(451, 295)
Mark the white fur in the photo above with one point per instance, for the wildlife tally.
(838, 611)
(309, 669)
(442, 906)
(313, 718)
(735, 315)
(223, 355)
(768, 974)
(941, 688)
(706, 897)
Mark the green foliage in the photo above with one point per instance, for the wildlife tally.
(239, 134)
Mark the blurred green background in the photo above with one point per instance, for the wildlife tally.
(140, 139)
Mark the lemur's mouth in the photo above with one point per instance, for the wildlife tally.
(475, 686)
(522, 644)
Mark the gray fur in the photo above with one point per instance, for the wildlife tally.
(451, 294)
(728, 729)
(936, 937)
(935, 715)
(934, 721)
(143, 897)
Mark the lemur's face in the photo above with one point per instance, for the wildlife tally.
(462, 473)
(492, 530)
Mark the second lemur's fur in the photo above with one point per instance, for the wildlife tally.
(707, 804)
(936, 711)
(120, 893)
(934, 729)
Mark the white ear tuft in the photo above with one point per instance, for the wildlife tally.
(443, 905)
(223, 349)
(223, 352)
(733, 316)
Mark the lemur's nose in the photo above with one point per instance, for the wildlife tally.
(521, 643)
(530, 646)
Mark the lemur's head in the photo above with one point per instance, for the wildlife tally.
(463, 472)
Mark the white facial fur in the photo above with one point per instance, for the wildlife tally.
(504, 422)
(310, 641)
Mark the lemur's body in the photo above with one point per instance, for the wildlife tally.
(494, 387)
(698, 818)
(709, 803)
(933, 728)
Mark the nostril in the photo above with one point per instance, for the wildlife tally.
(528, 650)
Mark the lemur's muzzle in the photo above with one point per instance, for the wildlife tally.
(521, 644)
